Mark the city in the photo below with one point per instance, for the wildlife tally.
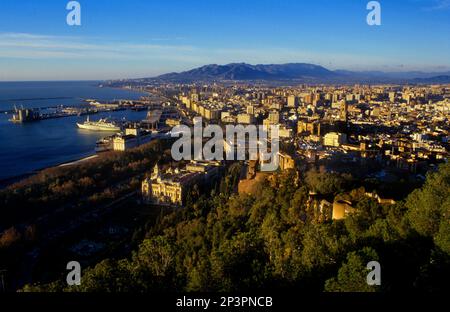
(343, 145)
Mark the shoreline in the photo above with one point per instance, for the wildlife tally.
(84, 157)
(6, 182)
(75, 162)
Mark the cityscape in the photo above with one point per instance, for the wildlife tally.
(247, 174)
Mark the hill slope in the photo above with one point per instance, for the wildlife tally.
(243, 71)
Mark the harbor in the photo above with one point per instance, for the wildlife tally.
(20, 115)
(55, 139)
(41, 131)
(131, 134)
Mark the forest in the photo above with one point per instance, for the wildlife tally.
(272, 240)
(33, 212)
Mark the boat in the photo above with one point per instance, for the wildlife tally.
(102, 125)
(104, 145)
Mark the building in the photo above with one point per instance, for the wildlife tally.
(153, 120)
(343, 116)
(380, 200)
(292, 101)
(210, 113)
(334, 139)
(173, 122)
(274, 117)
(130, 139)
(105, 105)
(341, 209)
(171, 187)
(285, 161)
(308, 127)
(308, 98)
(236, 144)
(169, 191)
(124, 142)
(285, 132)
(392, 96)
(25, 115)
(245, 119)
(195, 97)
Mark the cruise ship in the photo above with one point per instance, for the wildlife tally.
(101, 125)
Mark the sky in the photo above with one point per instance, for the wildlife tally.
(144, 38)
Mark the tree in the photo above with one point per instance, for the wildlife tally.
(9, 237)
(239, 263)
(326, 183)
(156, 254)
(352, 276)
(320, 247)
(442, 237)
(429, 206)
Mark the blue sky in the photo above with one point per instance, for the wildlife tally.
(142, 38)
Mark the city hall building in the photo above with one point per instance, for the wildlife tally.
(170, 187)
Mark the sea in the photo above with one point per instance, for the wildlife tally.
(29, 147)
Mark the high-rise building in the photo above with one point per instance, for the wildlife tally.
(336, 97)
(292, 101)
(317, 97)
(343, 111)
(350, 97)
(311, 127)
(392, 96)
(274, 117)
(308, 99)
(334, 139)
(407, 97)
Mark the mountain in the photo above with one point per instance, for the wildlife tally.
(243, 71)
(406, 75)
(435, 79)
(296, 73)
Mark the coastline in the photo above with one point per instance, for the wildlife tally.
(93, 91)
(75, 162)
(4, 183)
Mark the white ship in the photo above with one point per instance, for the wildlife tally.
(104, 145)
(101, 125)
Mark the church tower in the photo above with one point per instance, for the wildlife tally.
(156, 174)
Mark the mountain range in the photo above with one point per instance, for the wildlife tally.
(243, 71)
(298, 72)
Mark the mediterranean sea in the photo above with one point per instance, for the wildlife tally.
(28, 147)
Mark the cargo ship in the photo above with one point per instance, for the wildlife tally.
(101, 125)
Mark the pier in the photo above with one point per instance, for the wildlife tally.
(34, 114)
(12, 111)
